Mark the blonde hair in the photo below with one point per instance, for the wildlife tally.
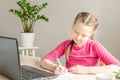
(87, 19)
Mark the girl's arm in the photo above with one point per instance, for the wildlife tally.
(101, 52)
(57, 69)
(104, 69)
(94, 69)
(47, 64)
(47, 61)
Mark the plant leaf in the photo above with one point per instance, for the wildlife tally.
(42, 17)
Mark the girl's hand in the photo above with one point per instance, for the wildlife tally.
(78, 69)
(60, 70)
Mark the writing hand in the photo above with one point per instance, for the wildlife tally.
(60, 70)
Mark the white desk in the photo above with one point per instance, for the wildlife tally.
(34, 61)
(28, 50)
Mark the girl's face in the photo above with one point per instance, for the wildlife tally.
(81, 33)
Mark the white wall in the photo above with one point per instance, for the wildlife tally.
(61, 14)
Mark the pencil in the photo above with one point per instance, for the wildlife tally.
(58, 60)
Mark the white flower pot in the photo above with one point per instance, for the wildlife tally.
(27, 39)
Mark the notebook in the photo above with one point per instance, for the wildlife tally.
(10, 62)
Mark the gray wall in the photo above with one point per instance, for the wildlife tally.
(61, 14)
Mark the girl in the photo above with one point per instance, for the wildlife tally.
(82, 53)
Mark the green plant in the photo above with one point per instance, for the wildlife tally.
(29, 14)
(117, 75)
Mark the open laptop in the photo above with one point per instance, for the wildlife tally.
(10, 62)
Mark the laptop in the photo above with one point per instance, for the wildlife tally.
(10, 63)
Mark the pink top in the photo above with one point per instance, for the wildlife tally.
(89, 54)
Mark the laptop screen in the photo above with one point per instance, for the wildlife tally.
(9, 58)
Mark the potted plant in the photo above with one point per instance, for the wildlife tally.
(117, 75)
(28, 15)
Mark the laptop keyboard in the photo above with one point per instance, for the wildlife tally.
(30, 75)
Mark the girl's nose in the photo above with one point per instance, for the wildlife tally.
(78, 37)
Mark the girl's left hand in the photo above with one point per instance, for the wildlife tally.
(78, 69)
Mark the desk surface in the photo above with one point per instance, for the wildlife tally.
(34, 61)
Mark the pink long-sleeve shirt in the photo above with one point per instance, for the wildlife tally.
(89, 54)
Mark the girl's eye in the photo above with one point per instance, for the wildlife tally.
(75, 31)
(84, 35)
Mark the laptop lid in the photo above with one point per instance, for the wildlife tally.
(9, 58)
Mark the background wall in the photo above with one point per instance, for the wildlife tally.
(61, 14)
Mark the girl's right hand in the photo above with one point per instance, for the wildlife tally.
(60, 70)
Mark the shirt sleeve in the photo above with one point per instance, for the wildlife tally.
(58, 51)
(105, 55)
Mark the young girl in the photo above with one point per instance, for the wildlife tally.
(82, 53)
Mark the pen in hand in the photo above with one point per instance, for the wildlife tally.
(60, 69)
(58, 60)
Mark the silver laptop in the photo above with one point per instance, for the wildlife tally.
(10, 63)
